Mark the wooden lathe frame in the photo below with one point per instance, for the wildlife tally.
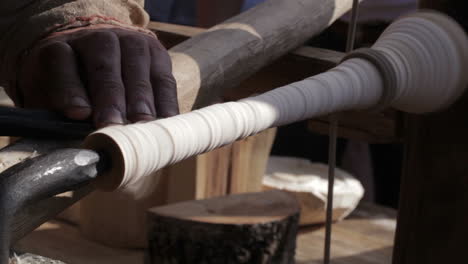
(432, 219)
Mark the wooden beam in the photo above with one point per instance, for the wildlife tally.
(176, 34)
(249, 161)
(433, 201)
(383, 127)
(372, 127)
(209, 63)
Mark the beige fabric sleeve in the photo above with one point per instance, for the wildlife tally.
(23, 22)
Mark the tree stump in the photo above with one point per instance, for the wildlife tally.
(243, 228)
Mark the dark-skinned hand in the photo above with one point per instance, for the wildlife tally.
(109, 74)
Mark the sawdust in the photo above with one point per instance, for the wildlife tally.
(32, 259)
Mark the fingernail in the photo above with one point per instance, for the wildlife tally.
(79, 102)
(110, 116)
(140, 108)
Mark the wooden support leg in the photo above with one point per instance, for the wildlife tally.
(249, 161)
(433, 216)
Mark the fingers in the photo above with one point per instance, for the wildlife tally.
(112, 75)
(136, 64)
(163, 82)
(65, 90)
(99, 54)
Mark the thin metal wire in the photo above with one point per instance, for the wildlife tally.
(331, 181)
(351, 38)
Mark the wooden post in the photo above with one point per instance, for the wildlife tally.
(433, 216)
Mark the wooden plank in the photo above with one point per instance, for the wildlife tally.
(433, 200)
(372, 127)
(180, 33)
(213, 170)
(62, 241)
(199, 177)
(172, 34)
(249, 161)
(364, 238)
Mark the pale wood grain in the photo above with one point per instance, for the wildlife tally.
(249, 160)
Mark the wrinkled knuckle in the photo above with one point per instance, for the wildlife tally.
(141, 86)
(104, 35)
(136, 44)
(51, 50)
(66, 84)
(101, 40)
(134, 39)
(104, 67)
(110, 85)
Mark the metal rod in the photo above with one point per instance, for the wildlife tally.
(331, 182)
(352, 27)
(333, 133)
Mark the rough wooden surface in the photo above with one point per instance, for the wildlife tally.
(256, 228)
(62, 241)
(432, 222)
(210, 63)
(366, 237)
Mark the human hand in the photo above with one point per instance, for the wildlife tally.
(107, 73)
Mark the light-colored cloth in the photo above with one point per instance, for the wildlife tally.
(24, 22)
